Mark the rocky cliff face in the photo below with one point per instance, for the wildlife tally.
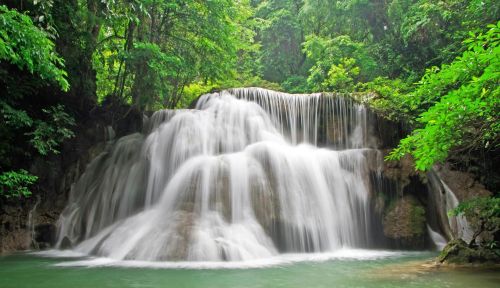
(30, 223)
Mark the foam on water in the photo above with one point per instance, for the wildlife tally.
(55, 253)
(281, 260)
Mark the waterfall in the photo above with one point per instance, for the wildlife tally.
(31, 225)
(249, 174)
(438, 239)
(458, 224)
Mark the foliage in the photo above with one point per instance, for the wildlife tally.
(440, 26)
(295, 84)
(390, 97)
(152, 50)
(404, 37)
(28, 62)
(155, 54)
(29, 48)
(152, 86)
(483, 213)
(194, 90)
(51, 133)
(338, 63)
(463, 101)
(16, 183)
(281, 36)
(26, 46)
(341, 76)
(13, 117)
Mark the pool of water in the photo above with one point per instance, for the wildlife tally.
(347, 268)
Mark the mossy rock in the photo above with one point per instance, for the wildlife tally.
(458, 252)
(404, 221)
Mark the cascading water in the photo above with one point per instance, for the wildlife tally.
(31, 225)
(458, 224)
(249, 174)
(438, 239)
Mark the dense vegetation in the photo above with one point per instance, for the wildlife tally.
(433, 64)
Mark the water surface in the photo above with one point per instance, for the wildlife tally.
(348, 268)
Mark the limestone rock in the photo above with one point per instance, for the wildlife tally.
(404, 221)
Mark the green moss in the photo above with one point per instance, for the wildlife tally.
(458, 252)
(404, 220)
(417, 219)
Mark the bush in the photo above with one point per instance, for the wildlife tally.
(51, 133)
(29, 48)
(16, 183)
(459, 104)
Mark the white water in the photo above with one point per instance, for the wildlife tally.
(31, 225)
(438, 239)
(73, 259)
(458, 224)
(241, 178)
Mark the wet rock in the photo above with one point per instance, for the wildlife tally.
(45, 235)
(400, 171)
(15, 241)
(181, 239)
(446, 188)
(404, 222)
(463, 184)
(265, 203)
(458, 252)
(66, 243)
(56, 174)
(14, 234)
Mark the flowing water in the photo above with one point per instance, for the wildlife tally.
(459, 224)
(31, 225)
(249, 174)
(438, 240)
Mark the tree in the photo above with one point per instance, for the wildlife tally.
(459, 104)
(152, 50)
(27, 53)
(281, 36)
(28, 48)
(338, 63)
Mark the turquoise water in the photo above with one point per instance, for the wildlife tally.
(385, 270)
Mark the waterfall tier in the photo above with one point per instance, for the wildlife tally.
(249, 174)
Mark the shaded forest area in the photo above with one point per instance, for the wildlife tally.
(434, 65)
